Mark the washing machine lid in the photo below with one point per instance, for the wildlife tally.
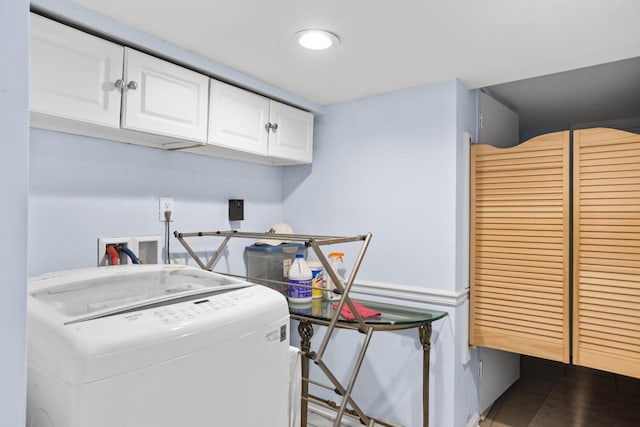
(86, 294)
(92, 324)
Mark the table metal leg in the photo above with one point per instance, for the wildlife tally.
(305, 330)
(425, 339)
(354, 375)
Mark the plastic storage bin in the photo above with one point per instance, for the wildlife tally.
(272, 263)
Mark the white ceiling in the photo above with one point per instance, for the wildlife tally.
(388, 45)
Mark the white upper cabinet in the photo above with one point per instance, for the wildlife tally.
(237, 118)
(86, 85)
(83, 84)
(73, 75)
(290, 133)
(245, 121)
(164, 98)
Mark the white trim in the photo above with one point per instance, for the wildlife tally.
(330, 415)
(412, 293)
(474, 421)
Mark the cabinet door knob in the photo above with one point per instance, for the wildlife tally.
(271, 126)
(132, 85)
(119, 84)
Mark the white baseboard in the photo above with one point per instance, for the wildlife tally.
(474, 421)
(331, 415)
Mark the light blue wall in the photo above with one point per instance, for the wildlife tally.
(385, 164)
(14, 167)
(83, 188)
(396, 164)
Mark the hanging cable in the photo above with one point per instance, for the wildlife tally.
(167, 235)
(131, 255)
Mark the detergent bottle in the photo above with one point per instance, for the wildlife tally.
(335, 259)
(317, 279)
(299, 274)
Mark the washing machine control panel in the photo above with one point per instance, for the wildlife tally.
(191, 310)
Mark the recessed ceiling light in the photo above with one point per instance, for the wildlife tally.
(316, 39)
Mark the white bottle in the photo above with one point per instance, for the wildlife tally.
(300, 274)
(335, 258)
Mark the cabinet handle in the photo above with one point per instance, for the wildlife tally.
(132, 85)
(271, 126)
(119, 84)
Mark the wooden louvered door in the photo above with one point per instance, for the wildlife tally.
(520, 247)
(607, 250)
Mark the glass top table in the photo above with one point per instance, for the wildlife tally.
(391, 316)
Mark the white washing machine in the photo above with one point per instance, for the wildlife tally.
(155, 346)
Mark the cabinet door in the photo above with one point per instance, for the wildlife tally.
(237, 118)
(293, 137)
(72, 74)
(163, 98)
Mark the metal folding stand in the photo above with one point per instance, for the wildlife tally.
(314, 242)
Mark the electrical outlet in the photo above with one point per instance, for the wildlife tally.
(166, 204)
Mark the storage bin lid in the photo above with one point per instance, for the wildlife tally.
(284, 247)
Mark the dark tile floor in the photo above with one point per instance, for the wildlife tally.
(551, 394)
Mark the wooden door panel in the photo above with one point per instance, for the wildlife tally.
(607, 250)
(520, 247)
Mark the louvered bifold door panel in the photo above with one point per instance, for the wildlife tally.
(607, 250)
(520, 247)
